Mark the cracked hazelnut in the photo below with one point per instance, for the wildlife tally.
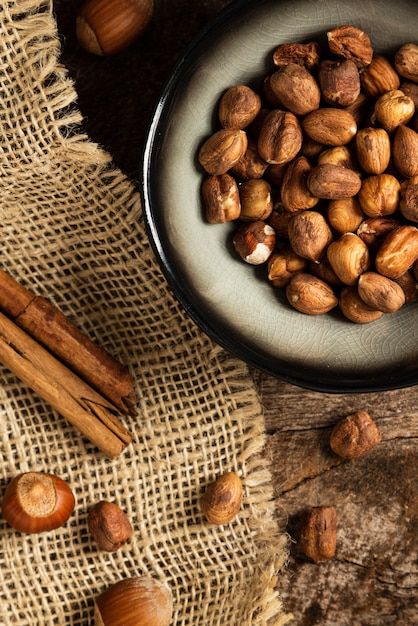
(254, 242)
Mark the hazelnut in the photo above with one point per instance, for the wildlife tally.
(284, 264)
(374, 230)
(222, 150)
(409, 199)
(379, 195)
(373, 149)
(222, 499)
(378, 77)
(354, 309)
(36, 502)
(409, 285)
(280, 137)
(309, 234)
(349, 257)
(136, 601)
(380, 293)
(398, 252)
(339, 155)
(309, 294)
(354, 435)
(256, 199)
(106, 27)
(296, 88)
(221, 199)
(344, 214)
(250, 165)
(318, 535)
(349, 42)
(339, 82)
(254, 242)
(109, 526)
(405, 151)
(330, 126)
(306, 54)
(239, 106)
(392, 109)
(294, 191)
(406, 61)
(332, 182)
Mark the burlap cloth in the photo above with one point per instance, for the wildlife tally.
(72, 230)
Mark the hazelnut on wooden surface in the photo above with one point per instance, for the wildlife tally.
(36, 502)
(222, 499)
(136, 601)
(109, 526)
(354, 435)
(318, 535)
(106, 27)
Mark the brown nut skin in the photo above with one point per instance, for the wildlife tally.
(310, 295)
(318, 533)
(222, 150)
(294, 191)
(378, 77)
(354, 435)
(283, 265)
(280, 137)
(239, 106)
(374, 230)
(309, 235)
(221, 199)
(330, 126)
(379, 195)
(136, 601)
(409, 284)
(106, 27)
(398, 252)
(306, 54)
(36, 502)
(380, 293)
(109, 526)
(405, 151)
(296, 88)
(254, 242)
(373, 149)
(350, 42)
(339, 155)
(349, 257)
(406, 62)
(256, 200)
(392, 109)
(250, 165)
(339, 82)
(354, 309)
(222, 499)
(333, 182)
(409, 199)
(344, 215)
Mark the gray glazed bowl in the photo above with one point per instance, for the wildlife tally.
(231, 301)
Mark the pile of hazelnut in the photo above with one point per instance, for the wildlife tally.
(321, 172)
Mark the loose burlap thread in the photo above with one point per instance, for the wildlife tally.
(72, 231)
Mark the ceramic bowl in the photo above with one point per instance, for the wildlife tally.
(231, 301)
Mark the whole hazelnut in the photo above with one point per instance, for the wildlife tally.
(318, 535)
(136, 601)
(222, 499)
(109, 526)
(354, 435)
(106, 27)
(36, 502)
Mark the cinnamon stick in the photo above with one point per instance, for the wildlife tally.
(51, 328)
(69, 395)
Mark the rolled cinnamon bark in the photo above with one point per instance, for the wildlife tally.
(47, 325)
(69, 395)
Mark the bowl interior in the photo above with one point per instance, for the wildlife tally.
(229, 299)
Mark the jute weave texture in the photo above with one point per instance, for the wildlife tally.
(72, 231)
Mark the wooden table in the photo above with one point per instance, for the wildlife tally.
(373, 579)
